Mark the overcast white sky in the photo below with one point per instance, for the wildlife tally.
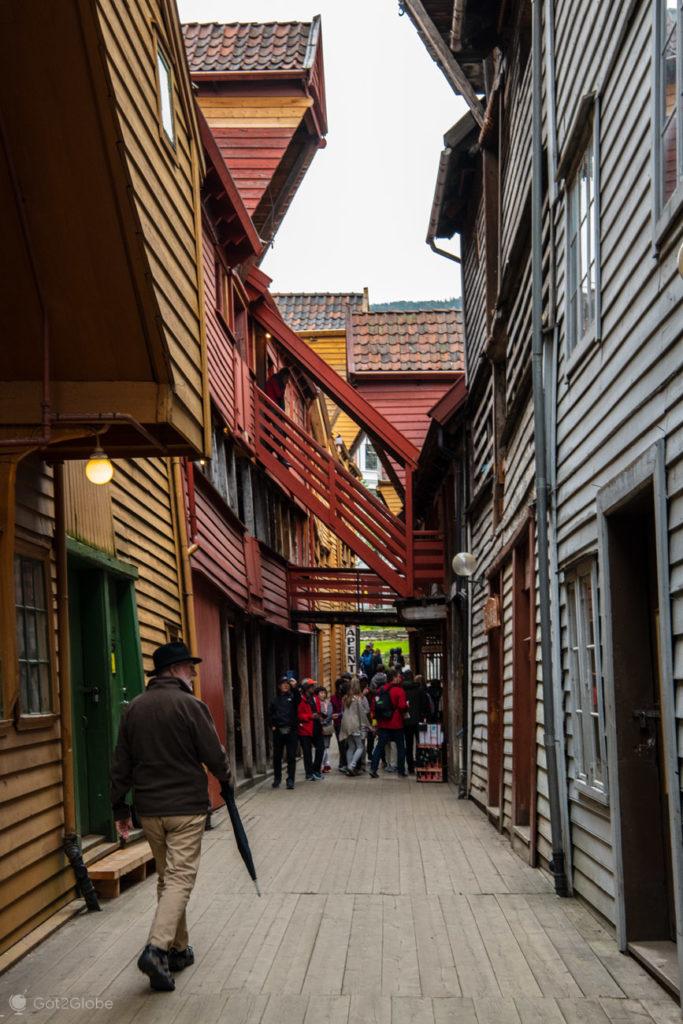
(360, 216)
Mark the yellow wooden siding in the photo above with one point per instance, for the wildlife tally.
(331, 348)
(254, 111)
(390, 495)
(144, 530)
(33, 871)
(88, 511)
(348, 430)
(163, 187)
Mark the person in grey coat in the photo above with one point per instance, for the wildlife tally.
(355, 725)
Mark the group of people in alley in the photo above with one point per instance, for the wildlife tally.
(167, 738)
(374, 720)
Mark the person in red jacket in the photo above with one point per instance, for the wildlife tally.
(310, 731)
(390, 709)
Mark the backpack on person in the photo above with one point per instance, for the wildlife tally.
(384, 706)
(367, 660)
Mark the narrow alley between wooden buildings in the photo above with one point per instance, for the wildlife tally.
(384, 902)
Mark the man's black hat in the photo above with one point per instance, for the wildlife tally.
(171, 654)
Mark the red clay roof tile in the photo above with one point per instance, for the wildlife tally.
(271, 46)
(317, 311)
(421, 341)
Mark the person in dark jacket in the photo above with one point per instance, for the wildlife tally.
(416, 712)
(276, 386)
(390, 726)
(166, 736)
(282, 716)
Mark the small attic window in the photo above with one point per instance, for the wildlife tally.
(166, 95)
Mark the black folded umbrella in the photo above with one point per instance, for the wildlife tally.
(228, 794)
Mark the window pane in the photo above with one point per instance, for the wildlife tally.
(575, 680)
(669, 172)
(371, 460)
(166, 96)
(668, 125)
(33, 625)
(27, 582)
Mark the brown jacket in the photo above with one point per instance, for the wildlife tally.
(166, 735)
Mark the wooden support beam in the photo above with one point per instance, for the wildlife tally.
(228, 705)
(245, 707)
(440, 53)
(343, 394)
(257, 697)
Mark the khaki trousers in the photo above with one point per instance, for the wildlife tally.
(176, 842)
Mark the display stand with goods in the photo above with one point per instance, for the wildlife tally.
(429, 755)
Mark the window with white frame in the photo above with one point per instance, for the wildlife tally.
(166, 96)
(667, 88)
(585, 675)
(33, 641)
(582, 249)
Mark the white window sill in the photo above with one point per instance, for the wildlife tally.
(599, 796)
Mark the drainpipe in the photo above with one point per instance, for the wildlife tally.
(557, 864)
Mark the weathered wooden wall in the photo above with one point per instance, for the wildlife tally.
(626, 393)
(164, 186)
(34, 879)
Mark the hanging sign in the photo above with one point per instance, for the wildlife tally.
(492, 613)
(352, 648)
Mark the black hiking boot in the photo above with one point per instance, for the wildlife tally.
(290, 783)
(154, 963)
(179, 959)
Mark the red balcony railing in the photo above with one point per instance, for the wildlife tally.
(333, 494)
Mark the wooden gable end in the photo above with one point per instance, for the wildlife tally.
(253, 133)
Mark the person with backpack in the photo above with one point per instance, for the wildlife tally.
(390, 707)
(282, 715)
(417, 712)
(369, 660)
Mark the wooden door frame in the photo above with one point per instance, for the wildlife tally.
(524, 725)
(495, 660)
(648, 470)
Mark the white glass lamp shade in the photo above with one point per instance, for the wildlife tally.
(99, 469)
(464, 564)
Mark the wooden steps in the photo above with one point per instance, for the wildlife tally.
(132, 862)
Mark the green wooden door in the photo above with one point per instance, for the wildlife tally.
(106, 674)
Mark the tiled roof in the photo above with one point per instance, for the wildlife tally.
(271, 46)
(317, 311)
(421, 341)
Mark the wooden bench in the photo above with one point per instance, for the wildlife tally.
(132, 862)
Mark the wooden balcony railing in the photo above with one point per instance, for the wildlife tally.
(333, 494)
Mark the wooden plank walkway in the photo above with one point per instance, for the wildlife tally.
(384, 902)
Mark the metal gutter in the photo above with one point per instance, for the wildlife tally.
(557, 864)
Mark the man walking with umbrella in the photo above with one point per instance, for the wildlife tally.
(166, 736)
